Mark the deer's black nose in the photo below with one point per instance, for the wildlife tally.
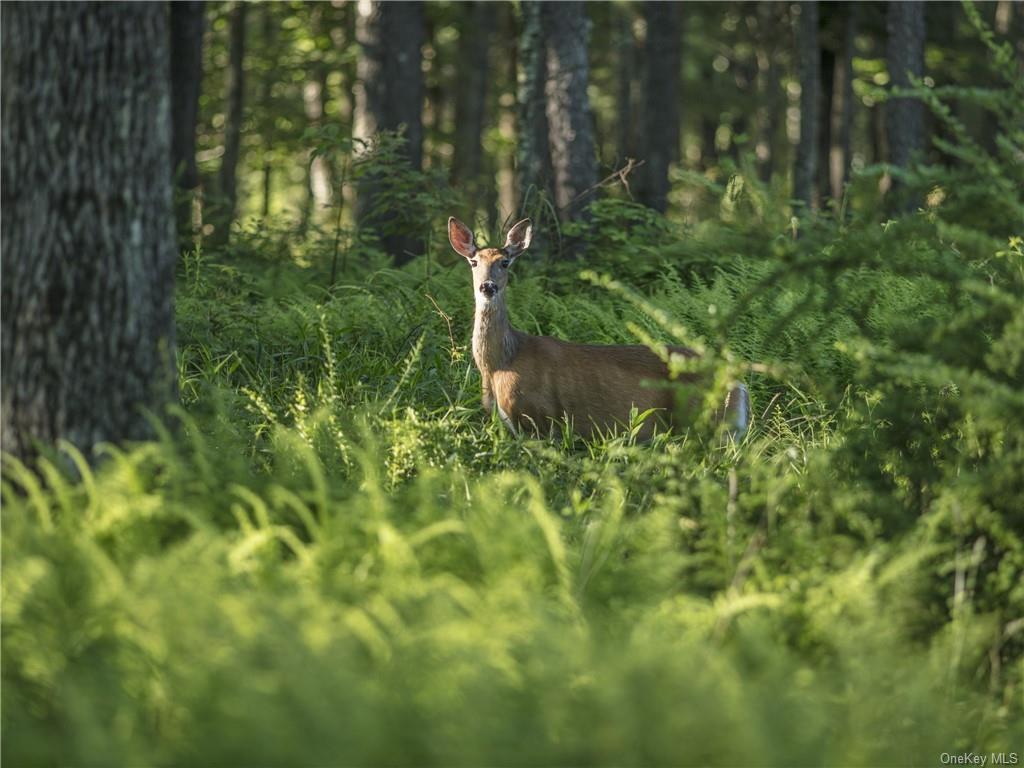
(488, 289)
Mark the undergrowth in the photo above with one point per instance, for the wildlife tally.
(332, 556)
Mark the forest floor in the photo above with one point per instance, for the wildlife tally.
(332, 556)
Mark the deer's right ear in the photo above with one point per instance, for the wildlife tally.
(518, 239)
(461, 238)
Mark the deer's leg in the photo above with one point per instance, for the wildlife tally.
(487, 395)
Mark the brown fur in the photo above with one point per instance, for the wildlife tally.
(549, 380)
(537, 382)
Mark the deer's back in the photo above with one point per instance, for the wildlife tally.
(595, 386)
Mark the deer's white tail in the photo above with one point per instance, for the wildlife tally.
(737, 411)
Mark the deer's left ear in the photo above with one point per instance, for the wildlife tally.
(518, 239)
(461, 238)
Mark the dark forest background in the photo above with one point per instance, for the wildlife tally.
(797, 91)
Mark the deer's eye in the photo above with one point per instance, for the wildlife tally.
(472, 262)
(505, 263)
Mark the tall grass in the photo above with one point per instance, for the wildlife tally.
(333, 557)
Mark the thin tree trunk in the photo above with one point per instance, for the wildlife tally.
(805, 171)
(533, 149)
(186, 52)
(879, 150)
(904, 55)
(504, 162)
(709, 127)
(570, 127)
(319, 175)
(267, 107)
(477, 22)
(232, 121)
(625, 62)
(770, 91)
(826, 105)
(661, 101)
(841, 166)
(88, 242)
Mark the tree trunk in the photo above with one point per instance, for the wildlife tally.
(826, 104)
(319, 177)
(770, 91)
(904, 53)
(186, 43)
(232, 122)
(661, 101)
(570, 128)
(391, 35)
(477, 21)
(88, 236)
(266, 104)
(533, 148)
(390, 94)
(841, 168)
(805, 171)
(625, 60)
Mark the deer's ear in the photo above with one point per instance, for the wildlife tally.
(518, 239)
(461, 238)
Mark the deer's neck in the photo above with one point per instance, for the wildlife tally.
(494, 341)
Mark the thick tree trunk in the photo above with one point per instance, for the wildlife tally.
(390, 93)
(235, 93)
(391, 35)
(570, 128)
(88, 235)
(186, 29)
(533, 149)
(661, 101)
(904, 53)
(478, 20)
(805, 171)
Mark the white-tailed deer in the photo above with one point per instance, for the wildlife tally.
(536, 382)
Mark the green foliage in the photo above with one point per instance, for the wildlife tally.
(331, 556)
(981, 186)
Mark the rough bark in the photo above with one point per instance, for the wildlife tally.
(805, 170)
(389, 94)
(661, 101)
(570, 130)
(904, 53)
(88, 236)
(478, 20)
(533, 149)
(186, 51)
(235, 92)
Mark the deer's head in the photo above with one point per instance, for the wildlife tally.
(490, 265)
